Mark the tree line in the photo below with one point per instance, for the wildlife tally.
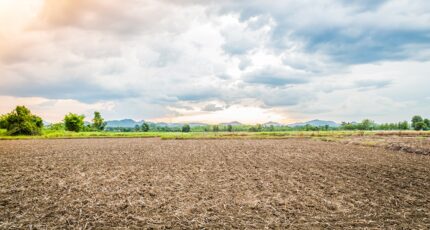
(21, 121)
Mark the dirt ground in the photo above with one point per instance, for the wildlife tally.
(152, 183)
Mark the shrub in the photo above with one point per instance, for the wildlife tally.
(56, 126)
(186, 128)
(74, 122)
(21, 122)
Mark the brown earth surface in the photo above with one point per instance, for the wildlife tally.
(152, 183)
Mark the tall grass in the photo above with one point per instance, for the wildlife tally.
(53, 134)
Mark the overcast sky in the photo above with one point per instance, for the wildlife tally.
(216, 61)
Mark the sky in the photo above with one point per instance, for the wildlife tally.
(217, 61)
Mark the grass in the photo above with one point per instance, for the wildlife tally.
(322, 135)
(50, 134)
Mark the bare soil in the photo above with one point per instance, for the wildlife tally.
(152, 183)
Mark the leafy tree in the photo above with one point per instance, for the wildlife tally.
(21, 122)
(186, 128)
(145, 127)
(427, 122)
(366, 124)
(404, 125)
(3, 122)
(256, 128)
(136, 128)
(420, 126)
(215, 128)
(229, 128)
(415, 120)
(74, 122)
(98, 122)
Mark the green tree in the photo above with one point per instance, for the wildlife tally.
(367, 124)
(21, 122)
(98, 122)
(416, 120)
(74, 122)
(427, 122)
(404, 125)
(420, 126)
(229, 128)
(253, 129)
(145, 127)
(215, 128)
(186, 128)
(3, 122)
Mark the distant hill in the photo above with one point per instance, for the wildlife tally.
(196, 124)
(125, 123)
(130, 123)
(271, 123)
(233, 123)
(317, 123)
(164, 124)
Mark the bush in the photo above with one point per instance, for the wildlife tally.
(21, 122)
(186, 128)
(56, 126)
(74, 122)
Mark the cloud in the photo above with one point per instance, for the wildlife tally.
(212, 108)
(348, 32)
(273, 76)
(160, 59)
(372, 84)
(243, 37)
(126, 18)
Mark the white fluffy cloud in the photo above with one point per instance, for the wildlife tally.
(177, 60)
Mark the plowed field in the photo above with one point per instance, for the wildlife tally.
(144, 183)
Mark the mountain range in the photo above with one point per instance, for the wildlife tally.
(317, 123)
(125, 123)
(130, 123)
